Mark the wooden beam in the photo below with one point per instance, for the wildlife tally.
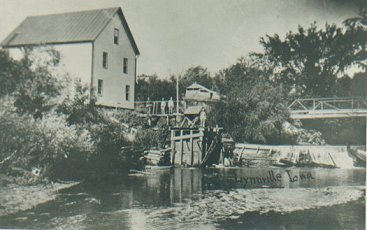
(192, 149)
(173, 147)
(181, 147)
(182, 137)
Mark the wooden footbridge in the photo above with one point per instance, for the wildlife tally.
(322, 108)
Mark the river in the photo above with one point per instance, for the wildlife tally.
(187, 198)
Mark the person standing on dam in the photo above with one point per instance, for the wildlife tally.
(163, 106)
(170, 106)
(202, 117)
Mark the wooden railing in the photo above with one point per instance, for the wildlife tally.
(155, 107)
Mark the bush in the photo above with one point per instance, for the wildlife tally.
(156, 137)
(49, 145)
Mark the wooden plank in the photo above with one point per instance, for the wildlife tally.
(243, 149)
(192, 149)
(182, 137)
(181, 147)
(173, 147)
(332, 159)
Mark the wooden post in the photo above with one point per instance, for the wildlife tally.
(192, 148)
(177, 99)
(202, 152)
(173, 147)
(181, 146)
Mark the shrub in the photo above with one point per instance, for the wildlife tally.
(49, 144)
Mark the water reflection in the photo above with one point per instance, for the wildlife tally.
(199, 198)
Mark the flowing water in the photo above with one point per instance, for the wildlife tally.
(227, 198)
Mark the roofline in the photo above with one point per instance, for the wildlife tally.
(125, 25)
(47, 43)
(200, 86)
(118, 10)
(128, 31)
(71, 12)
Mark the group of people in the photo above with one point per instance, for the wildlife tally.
(163, 105)
(170, 104)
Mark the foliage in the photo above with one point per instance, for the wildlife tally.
(10, 74)
(355, 37)
(153, 88)
(196, 74)
(108, 132)
(347, 131)
(48, 144)
(156, 89)
(37, 94)
(80, 108)
(359, 85)
(69, 139)
(311, 60)
(32, 86)
(157, 137)
(253, 109)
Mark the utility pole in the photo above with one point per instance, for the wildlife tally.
(177, 100)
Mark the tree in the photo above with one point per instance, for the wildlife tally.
(196, 74)
(37, 93)
(359, 85)
(311, 60)
(30, 83)
(254, 108)
(10, 74)
(154, 88)
(356, 39)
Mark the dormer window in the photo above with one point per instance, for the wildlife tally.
(116, 36)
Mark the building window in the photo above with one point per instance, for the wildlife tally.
(127, 93)
(116, 36)
(100, 87)
(125, 65)
(105, 60)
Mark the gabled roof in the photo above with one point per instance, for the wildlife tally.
(197, 86)
(73, 27)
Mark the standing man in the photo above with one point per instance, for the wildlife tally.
(170, 106)
(202, 117)
(149, 106)
(163, 106)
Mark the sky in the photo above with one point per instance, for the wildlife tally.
(173, 35)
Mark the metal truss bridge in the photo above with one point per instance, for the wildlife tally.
(322, 108)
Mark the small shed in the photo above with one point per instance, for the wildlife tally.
(198, 92)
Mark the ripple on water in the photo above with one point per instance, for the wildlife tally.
(219, 205)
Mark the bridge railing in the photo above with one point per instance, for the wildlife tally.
(321, 104)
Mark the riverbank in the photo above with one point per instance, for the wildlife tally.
(16, 197)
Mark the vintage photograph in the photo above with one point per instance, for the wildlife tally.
(183, 114)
